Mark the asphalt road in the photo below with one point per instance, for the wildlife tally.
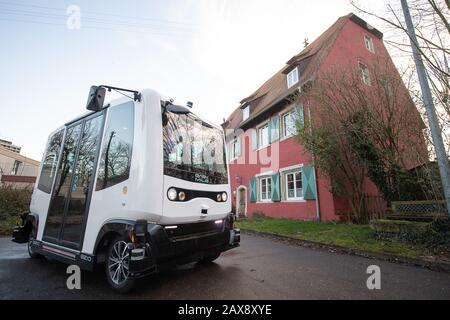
(261, 268)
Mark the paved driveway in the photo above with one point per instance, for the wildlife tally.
(261, 268)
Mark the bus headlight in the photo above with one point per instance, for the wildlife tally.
(181, 196)
(224, 196)
(219, 197)
(172, 194)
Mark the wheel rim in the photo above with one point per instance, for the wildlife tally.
(30, 240)
(118, 263)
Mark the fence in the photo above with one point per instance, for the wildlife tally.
(418, 210)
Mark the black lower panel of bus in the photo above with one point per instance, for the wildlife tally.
(165, 251)
(158, 249)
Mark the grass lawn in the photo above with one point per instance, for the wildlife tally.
(345, 235)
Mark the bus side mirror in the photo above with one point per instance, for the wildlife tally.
(96, 98)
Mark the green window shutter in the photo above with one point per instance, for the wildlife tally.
(300, 114)
(274, 129)
(308, 183)
(238, 147)
(276, 193)
(253, 190)
(254, 139)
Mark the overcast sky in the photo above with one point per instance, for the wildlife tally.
(211, 52)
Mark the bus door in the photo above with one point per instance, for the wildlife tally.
(69, 204)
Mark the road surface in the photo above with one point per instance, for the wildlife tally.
(261, 268)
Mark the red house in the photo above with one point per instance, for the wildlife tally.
(269, 170)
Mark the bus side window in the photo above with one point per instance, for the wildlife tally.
(50, 162)
(117, 145)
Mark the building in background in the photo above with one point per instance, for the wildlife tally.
(264, 125)
(9, 146)
(16, 170)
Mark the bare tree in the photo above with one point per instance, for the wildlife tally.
(362, 129)
(431, 20)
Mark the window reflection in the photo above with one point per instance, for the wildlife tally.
(117, 146)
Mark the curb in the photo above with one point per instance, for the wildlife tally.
(431, 265)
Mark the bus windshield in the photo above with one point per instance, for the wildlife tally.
(193, 150)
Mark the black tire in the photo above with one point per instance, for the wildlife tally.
(116, 266)
(31, 253)
(210, 257)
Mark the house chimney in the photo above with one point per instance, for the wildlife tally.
(305, 42)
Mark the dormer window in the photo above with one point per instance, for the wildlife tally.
(292, 77)
(246, 113)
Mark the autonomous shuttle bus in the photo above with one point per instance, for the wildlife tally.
(137, 185)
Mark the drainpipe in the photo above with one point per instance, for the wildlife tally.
(315, 170)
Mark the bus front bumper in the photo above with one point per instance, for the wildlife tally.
(161, 251)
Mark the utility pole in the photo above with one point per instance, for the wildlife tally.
(441, 155)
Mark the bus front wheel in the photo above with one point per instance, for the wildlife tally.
(117, 266)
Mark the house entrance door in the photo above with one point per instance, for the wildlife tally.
(242, 205)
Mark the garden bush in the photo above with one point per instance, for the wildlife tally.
(431, 234)
(14, 201)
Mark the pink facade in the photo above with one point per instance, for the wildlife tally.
(343, 44)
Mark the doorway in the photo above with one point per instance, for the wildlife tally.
(69, 204)
(241, 201)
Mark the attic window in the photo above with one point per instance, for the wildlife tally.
(292, 77)
(369, 43)
(246, 113)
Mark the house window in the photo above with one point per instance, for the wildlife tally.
(289, 123)
(387, 86)
(369, 43)
(235, 149)
(292, 77)
(245, 113)
(16, 167)
(263, 135)
(365, 76)
(265, 188)
(294, 190)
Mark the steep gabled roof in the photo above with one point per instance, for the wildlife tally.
(308, 62)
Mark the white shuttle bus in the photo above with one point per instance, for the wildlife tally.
(138, 184)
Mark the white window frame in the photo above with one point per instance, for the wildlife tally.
(295, 198)
(246, 113)
(233, 145)
(283, 124)
(365, 74)
(387, 86)
(259, 135)
(292, 77)
(369, 43)
(16, 167)
(268, 180)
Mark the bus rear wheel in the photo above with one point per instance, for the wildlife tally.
(31, 253)
(117, 266)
